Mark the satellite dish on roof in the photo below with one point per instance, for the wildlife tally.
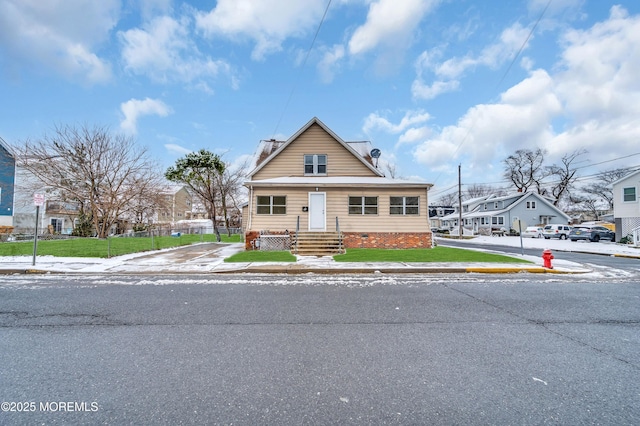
(375, 153)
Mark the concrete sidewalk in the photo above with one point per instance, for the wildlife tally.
(209, 258)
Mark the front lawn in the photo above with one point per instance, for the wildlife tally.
(436, 254)
(112, 246)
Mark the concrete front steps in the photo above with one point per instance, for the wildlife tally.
(317, 244)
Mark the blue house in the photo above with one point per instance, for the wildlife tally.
(7, 183)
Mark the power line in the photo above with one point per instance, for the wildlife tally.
(523, 44)
(449, 189)
(608, 161)
(304, 62)
(473, 124)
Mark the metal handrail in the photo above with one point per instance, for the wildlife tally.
(297, 233)
(340, 242)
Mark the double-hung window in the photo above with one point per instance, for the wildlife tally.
(363, 205)
(56, 225)
(315, 164)
(497, 220)
(629, 194)
(272, 204)
(404, 205)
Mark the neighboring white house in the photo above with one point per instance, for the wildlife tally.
(484, 214)
(626, 204)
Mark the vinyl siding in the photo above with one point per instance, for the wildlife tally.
(7, 184)
(622, 208)
(290, 162)
(337, 201)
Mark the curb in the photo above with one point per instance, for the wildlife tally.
(435, 270)
(628, 256)
(25, 272)
(302, 269)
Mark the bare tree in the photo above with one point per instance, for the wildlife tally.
(230, 182)
(525, 169)
(564, 175)
(101, 172)
(589, 204)
(603, 188)
(392, 170)
(145, 207)
(478, 190)
(448, 199)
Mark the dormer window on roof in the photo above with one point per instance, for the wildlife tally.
(315, 164)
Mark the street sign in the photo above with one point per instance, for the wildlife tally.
(38, 200)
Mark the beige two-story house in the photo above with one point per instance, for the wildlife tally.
(316, 182)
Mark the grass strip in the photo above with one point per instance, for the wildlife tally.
(261, 256)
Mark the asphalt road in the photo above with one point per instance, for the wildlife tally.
(263, 349)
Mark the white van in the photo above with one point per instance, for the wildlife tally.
(556, 231)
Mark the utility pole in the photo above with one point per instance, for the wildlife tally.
(459, 203)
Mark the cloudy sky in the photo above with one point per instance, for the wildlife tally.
(431, 83)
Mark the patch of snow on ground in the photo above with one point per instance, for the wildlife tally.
(602, 247)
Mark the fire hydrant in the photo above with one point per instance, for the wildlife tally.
(546, 257)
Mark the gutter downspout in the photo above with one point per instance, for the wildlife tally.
(426, 200)
(250, 208)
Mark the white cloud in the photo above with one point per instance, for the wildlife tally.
(375, 121)
(449, 72)
(390, 23)
(416, 134)
(436, 154)
(520, 120)
(135, 108)
(163, 50)
(412, 127)
(600, 68)
(330, 63)
(268, 23)
(58, 34)
(176, 149)
(592, 99)
(599, 86)
(150, 8)
(420, 90)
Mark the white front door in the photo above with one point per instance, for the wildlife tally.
(317, 216)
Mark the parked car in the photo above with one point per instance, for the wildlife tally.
(591, 233)
(533, 232)
(556, 231)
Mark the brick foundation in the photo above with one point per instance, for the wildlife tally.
(250, 236)
(388, 240)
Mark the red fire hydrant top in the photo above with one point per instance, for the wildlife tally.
(546, 258)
